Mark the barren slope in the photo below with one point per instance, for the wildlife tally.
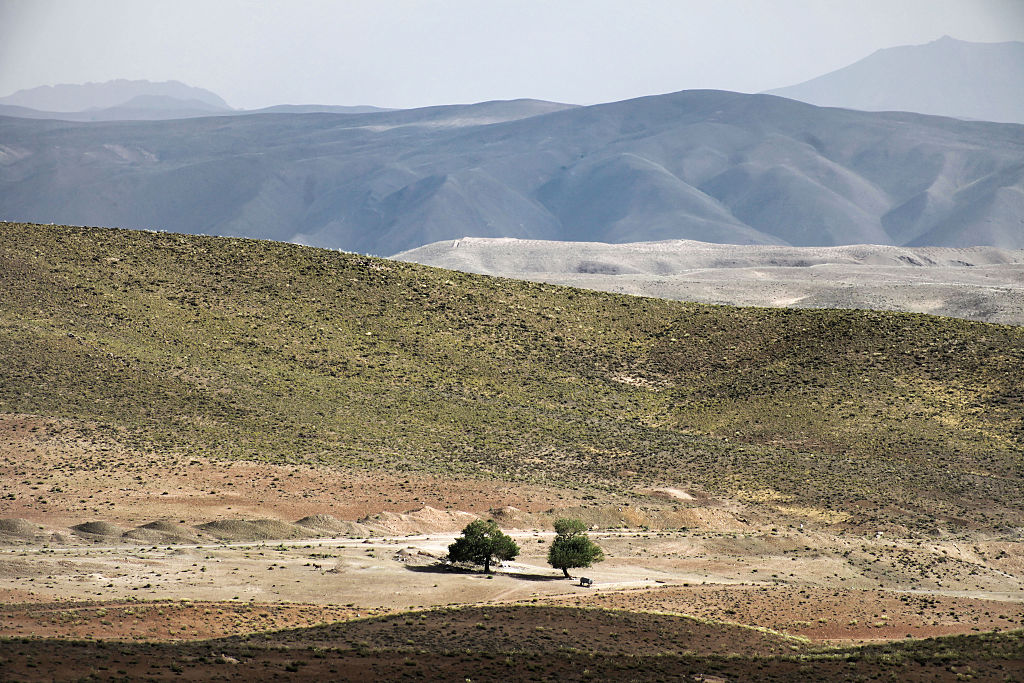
(976, 283)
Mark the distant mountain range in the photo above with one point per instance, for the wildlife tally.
(80, 97)
(141, 108)
(706, 165)
(316, 109)
(948, 77)
(123, 100)
(156, 108)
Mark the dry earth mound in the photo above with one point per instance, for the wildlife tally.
(329, 524)
(426, 520)
(509, 517)
(253, 530)
(165, 532)
(98, 528)
(14, 529)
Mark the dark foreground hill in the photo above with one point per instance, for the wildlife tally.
(259, 350)
(520, 643)
(704, 165)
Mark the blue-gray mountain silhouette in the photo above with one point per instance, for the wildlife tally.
(706, 165)
(80, 97)
(948, 77)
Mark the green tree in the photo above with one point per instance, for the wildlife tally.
(572, 547)
(482, 543)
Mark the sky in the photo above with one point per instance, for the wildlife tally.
(408, 53)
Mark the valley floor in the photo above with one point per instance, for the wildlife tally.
(111, 565)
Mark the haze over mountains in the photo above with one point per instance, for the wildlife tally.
(705, 165)
(948, 77)
(80, 97)
(119, 100)
(123, 100)
(709, 166)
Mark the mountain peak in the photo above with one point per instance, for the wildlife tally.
(946, 77)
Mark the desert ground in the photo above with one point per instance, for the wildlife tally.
(250, 466)
(109, 546)
(976, 283)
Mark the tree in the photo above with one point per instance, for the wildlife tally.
(572, 547)
(482, 543)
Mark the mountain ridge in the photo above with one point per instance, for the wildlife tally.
(80, 97)
(706, 165)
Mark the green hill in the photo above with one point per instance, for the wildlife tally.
(245, 349)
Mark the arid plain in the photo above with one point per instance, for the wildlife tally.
(205, 550)
(172, 509)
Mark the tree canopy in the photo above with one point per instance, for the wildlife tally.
(482, 543)
(572, 547)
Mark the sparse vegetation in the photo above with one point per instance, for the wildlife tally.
(241, 349)
(139, 352)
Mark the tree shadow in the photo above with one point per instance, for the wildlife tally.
(443, 568)
(538, 577)
(440, 568)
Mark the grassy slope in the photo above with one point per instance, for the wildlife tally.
(248, 349)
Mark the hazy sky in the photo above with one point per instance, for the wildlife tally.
(403, 53)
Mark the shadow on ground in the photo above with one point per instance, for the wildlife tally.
(443, 568)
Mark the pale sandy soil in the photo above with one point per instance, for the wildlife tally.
(975, 283)
(732, 563)
(702, 575)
